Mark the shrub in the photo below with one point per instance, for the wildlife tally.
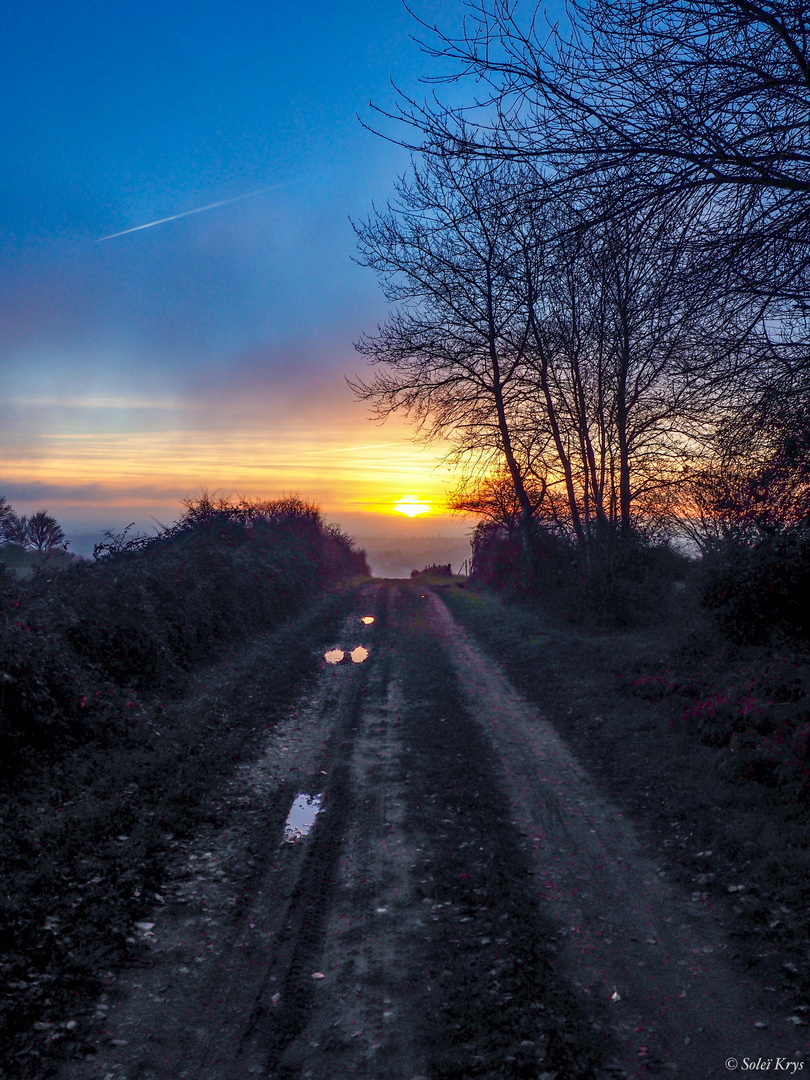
(434, 570)
(625, 582)
(618, 582)
(757, 587)
(77, 646)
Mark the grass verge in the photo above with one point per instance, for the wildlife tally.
(624, 702)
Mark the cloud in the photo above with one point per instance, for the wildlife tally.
(198, 292)
(84, 495)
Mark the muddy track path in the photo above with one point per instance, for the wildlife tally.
(466, 905)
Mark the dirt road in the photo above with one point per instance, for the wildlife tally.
(466, 904)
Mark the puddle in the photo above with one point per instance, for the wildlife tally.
(301, 817)
(367, 619)
(334, 656)
(359, 654)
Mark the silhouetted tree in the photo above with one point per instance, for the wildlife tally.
(493, 498)
(581, 359)
(698, 96)
(15, 529)
(451, 354)
(635, 346)
(44, 533)
(622, 221)
(6, 513)
(758, 479)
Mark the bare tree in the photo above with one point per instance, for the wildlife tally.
(44, 533)
(451, 354)
(629, 350)
(6, 514)
(493, 498)
(758, 478)
(699, 96)
(570, 358)
(15, 529)
(643, 176)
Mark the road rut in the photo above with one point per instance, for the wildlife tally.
(467, 905)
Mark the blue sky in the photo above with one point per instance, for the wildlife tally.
(210, 349)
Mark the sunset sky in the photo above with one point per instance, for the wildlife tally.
(210, 349)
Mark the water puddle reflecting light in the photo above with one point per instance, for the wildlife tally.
(367, 619)
(334, 656)
(359, 654)
(301, 817)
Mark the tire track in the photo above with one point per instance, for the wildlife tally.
(367, 1021)
(242, 912)
(470, 903)
(497, 1006)
(678, 1006)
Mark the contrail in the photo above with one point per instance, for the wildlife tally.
(188, 213)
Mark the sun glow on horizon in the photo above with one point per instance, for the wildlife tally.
(411, 506)
(105, 456)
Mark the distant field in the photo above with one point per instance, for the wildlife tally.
(395, 558)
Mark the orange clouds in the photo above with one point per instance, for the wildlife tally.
(345, 466)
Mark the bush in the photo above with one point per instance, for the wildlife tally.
(764, 727)
(497, 559)
(78, 646)
(620, 582)
(756, 716)
(434, 570)
(626, 582)
(758, 588)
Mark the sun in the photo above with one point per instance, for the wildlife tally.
(411, 506)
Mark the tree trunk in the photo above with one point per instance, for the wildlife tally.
(621, 426)
(526, 508)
